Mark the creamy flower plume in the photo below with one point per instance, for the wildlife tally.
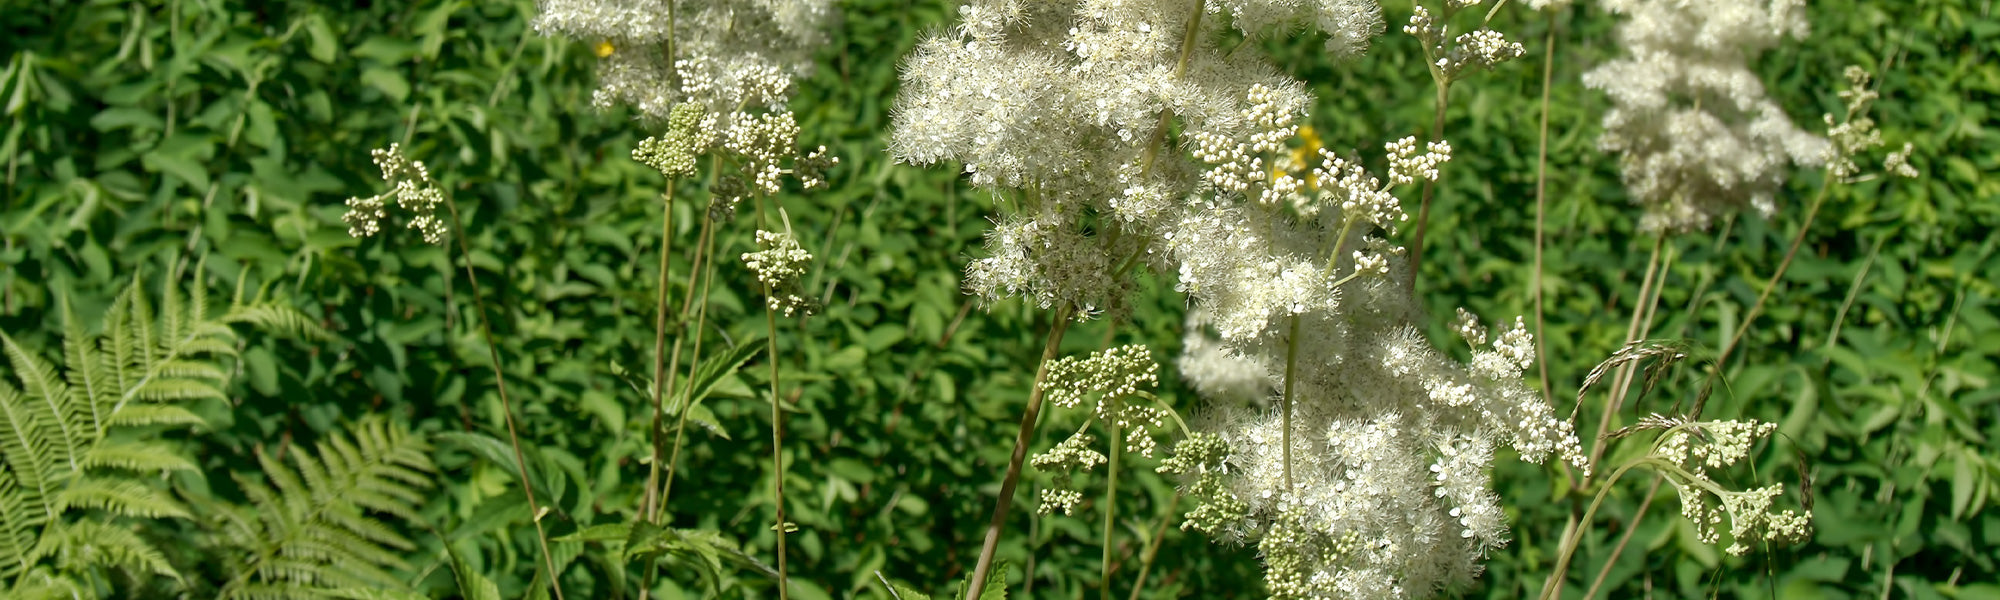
(728, 54)
(1695, 134)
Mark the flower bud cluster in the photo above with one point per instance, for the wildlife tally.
(1203, 459)
(778, 267)
(691, 132)
(1115, 376)
(1696, 448)
(1453, 57)
(1856, 133)
(413, 190)
(1064, 461)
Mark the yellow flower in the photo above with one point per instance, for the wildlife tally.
(603, 48)
(1301, 157)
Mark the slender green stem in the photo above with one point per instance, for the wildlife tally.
(1153, 547)
(1111, 503)
(1430, 185)
(1635, 330)
(506, 405)
(703, 272)
(707, 276)
(777, 418)
(1757, 308)
(777, 444)
(1570, 542)
(660, 385)
(1541, 206)
(1285, 409)
(1063, 316)
(1625, 538)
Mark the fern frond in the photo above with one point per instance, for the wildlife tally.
(140, 456)
(311, 532)
(282, 320)
(31, 465)
(85, 544)
(140, 415)
(20, 518)
(88, 372)
(65, 491)
(122, 497)
(44, 584)
(46, 395)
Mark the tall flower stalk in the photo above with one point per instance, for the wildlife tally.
(416, 193)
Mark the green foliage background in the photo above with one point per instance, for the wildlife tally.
(137, 134)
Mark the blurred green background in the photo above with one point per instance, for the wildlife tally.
(140, 133)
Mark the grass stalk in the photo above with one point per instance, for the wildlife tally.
(1541, 208)
(1635, 330)
(506, 405)
(980, 569)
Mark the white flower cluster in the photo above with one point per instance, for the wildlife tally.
(727, 54)
(1124, 115)
(1697, 448)
(1114, 376)
(1856, 133)
(414, 192)
(778, 266)
(1695, 134)
(1452, 57)
(758, 144)
(1390, 441)
(1065, 108)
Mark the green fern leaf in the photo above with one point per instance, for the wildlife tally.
(83, 544)
(67, 494)
(122, 497)
(309, 530)
(46, 395)
(140, 456)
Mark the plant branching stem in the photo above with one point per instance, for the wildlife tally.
(707, 241)
(777, 424)
(1111, 503)
(1624, 538)
(660, 385)
(1285, 409)
(1541, 206)
(1553, 587)
(506, 405)
(1063, 316)
(1812, 211)
(1430, 185)
(1635, 330)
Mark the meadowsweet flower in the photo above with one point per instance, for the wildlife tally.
(1695, 133)
(691, 132)
(1693, 450)
(1855, 133)
(413, 190)
(728, 54)
(1115, 377)
(1064, 110)
(778, 266)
